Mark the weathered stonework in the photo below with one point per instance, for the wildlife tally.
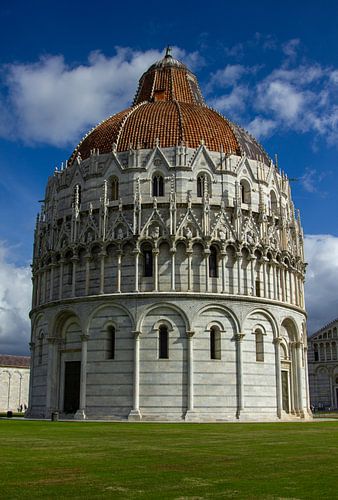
(203, 244)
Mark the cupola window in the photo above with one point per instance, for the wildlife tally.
(158, 185)
(114, 188)
(203, 185)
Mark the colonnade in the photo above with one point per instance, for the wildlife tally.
(237, 273)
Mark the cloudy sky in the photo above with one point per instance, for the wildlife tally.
(66, 66)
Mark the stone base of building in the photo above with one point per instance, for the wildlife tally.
(134, 416)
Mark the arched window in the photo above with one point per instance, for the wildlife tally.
(147, 262)
(334, 351)
(203, 181)
(114, 188)
(259, 345)
(245, 191)
(163, 342)
(213, 267)
(215, 343)
(158, 185)
(110, 342)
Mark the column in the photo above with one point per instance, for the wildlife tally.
(264, 271)
(307, 389)
(252, 271)
(223, 255)
(282, 283)
(135, 413)
(189, 253)
(274, 280)
(173, 252)
(51, 378)
(87, 265)
(102, 271)
(206, 267)
(190, 410)
(137, 258)
(61, 278)
(31, 377)
(293, 380)
(299, 346)
(239, 272)
(155, 254)
(51, 287)
(240, 386)
(81, 412)
(74, 262)
(119, 270)
(279, 402)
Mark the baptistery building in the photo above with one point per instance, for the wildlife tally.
(168, 270)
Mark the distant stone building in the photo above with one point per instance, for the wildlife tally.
(14, 382)
(323, 366)
(168, 270)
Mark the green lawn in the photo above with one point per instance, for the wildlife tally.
(168, 461)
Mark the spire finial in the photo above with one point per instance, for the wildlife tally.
(168, 51)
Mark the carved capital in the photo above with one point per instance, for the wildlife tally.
(190, 334)
(84, 337)
(239, 337)
(277, 340)
(137, 334)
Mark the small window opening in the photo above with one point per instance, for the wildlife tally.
(215, 343)
(163, 348)
(148, 262)
(258, 288)
(259, 346)
(111, 342)
(213, 268)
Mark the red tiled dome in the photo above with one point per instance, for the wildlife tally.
(169, 109)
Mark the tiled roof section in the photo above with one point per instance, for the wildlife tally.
(202, 123)
(102, 137)
(168, 122)
(169, 83)
(151, 122)
(7, 360)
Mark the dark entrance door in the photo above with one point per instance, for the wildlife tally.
(72, 386)
(285, 391)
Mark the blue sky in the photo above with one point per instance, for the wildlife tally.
(272, 68)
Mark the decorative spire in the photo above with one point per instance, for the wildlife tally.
(168, 52)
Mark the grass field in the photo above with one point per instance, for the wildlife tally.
(168, 461)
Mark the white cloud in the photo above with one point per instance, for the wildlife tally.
(290, 47)
(15, 300)
(54, 103)
(261, 127)
(321, 286)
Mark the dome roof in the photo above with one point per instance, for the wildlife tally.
(169, 110)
